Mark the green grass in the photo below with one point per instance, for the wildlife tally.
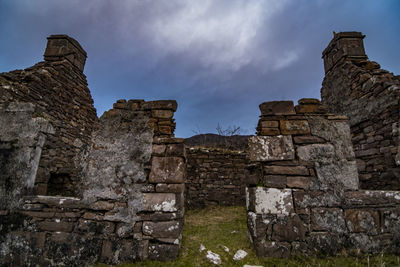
(216, 226)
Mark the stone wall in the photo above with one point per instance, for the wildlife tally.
(369, 96)
(303, 195)
(215, 176)
(22, 136)
(58, 89)
(126, 168)
(132, 204)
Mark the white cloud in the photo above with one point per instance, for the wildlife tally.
(221, 36)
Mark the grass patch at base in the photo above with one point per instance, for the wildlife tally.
(217, 226)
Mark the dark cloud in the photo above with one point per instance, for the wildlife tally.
(218, 59)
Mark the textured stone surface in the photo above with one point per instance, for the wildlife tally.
(273, 201)
(294, 127)
(167, 170)
(58, 88)
(270, 148)
(330, 214)
(287, 170)
(159, 202)
(369, 97)
(101, 204)
(328, 219)
(216, 176)
(359, 221)
(22, 137)
(277, 108)
(341, 174)
(170, 229)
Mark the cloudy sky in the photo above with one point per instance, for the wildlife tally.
(218, 58)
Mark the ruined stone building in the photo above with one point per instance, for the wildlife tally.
(76, 189)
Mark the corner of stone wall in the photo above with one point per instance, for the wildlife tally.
(132, 205)
(358, 88)
(303, 184)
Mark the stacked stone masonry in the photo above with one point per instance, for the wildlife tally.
(369, 96)
(215, 176)
(303, 195)
(58, 89)
(129, 171)
(76, 189)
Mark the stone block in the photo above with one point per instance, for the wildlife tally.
(269, 131)
(170, 188)
(163, 252)
(101, 205)
(167, 170)
(160, 104)
(277, 108)
(336, 133)
(304, 101)
(272, 201)
(56, 226)
(289, 228)
(390, 220)
(317, 199)
(269, 124)
(64, 202)
(372, 197)
(171, 229)
(311, 108)
(165, 130)
(286, 170)
(325, 243)
(162, 216)
(294, 127)
(162, 114)
(362, 221)
(270, 148)
(316, 153)
(257, 226)
(158, 150)
(342, 174)
(308, 139)
(328, 219)
(176, 150)
(365, 243)
(165, 202)
(276, 181)
(301, 182)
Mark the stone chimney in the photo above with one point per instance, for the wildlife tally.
(347, 45)
(63, 47)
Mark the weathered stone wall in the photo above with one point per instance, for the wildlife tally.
(303, 194)
(22, 136)
(369, 96)
(215, 176)
(58, 89)
(126, 168)
(132, 204)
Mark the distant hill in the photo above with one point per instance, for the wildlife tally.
(234, 142)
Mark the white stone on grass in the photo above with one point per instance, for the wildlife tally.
(213, 257)
(239, 255)
(202, 248)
